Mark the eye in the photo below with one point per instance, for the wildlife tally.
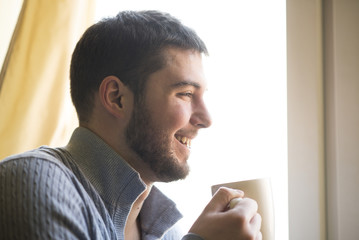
(185, 94)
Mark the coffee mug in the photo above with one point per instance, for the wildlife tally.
(260, 190)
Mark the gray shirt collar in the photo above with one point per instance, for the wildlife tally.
(119, 184)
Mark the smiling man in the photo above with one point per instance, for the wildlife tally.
(169, 115)
(137, 84)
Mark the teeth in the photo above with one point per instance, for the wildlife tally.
(184, 140)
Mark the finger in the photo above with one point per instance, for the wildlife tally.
(248, 207)
(256, 222)
(222, 197)
(234, 202)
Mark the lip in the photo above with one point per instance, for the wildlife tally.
(181, 151)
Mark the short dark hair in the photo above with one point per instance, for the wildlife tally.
(129, 46)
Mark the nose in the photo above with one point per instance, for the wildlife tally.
(201, 117)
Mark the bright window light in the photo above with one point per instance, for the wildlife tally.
(246, 71)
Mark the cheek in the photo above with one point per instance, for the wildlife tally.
(180, 116)
(176, 116)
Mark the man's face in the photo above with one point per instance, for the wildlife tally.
(170, 114)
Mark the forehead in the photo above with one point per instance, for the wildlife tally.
(181, 67)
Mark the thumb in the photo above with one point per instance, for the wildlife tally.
(221, 199)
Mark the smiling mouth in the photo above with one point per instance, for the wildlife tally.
(184, 140)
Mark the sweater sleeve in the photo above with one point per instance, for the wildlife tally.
(38, 200)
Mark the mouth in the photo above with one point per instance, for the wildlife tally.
(184, 140)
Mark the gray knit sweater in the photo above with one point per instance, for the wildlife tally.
(82, 191)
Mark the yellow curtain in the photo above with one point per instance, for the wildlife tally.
(35, 104)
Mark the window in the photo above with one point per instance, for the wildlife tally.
(246, 71)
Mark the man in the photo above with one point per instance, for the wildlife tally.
(137, 84)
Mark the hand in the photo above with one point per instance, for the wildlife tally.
(217, 221)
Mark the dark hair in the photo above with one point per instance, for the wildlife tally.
(129, 46)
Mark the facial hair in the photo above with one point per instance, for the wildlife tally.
(153, 145)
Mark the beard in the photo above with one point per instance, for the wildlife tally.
(153, 145)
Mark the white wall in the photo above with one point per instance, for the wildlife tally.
(9, 12)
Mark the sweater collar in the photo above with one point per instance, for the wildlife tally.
(106, 170)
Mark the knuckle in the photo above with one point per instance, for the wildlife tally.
(240, 217)
(224, 191)
(253, 202)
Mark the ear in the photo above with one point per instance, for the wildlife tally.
(115, 96)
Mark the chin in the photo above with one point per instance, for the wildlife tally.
(173, 171)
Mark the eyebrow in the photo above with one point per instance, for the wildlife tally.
(186, 83)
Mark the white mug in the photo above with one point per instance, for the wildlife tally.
(261, 191)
